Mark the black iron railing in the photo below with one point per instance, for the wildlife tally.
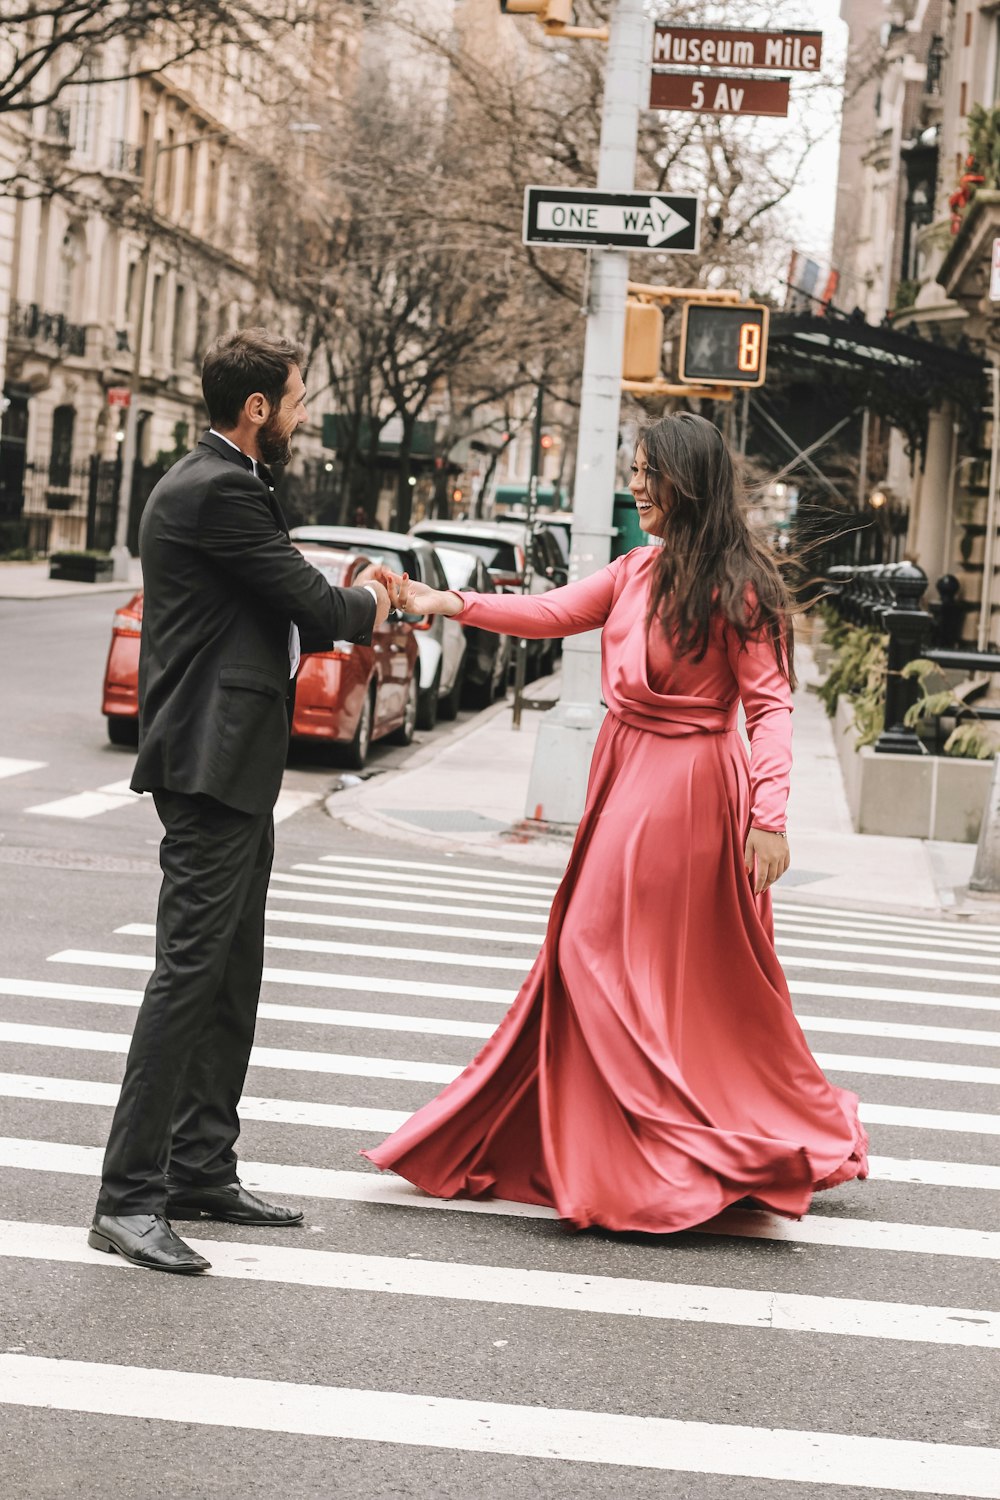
(32, 325)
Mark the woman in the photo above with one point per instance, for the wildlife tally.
(651, 1070)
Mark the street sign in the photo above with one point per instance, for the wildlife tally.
(119, 395)
(723, 343)
(725, 47)
(706, 94)
(626, 221)
(995, 273)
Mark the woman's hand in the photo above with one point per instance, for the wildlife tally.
(769, 853)
(417, 599)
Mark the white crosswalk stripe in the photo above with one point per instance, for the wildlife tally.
(11, 767)
(111, 798)
(927, 1079)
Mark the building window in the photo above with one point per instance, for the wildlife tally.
(178, 338)
(70, 258)
(61, 455)
(963, 99)
(156, 315)
(967, 39)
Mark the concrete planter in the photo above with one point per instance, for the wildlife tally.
(80, 568)
(910, 796)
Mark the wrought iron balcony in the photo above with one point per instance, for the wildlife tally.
(45, 331)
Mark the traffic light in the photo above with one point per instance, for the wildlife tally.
(723, 343)
(549, 12)
(556, 16)
(643, 341)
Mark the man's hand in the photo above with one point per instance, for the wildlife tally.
(769, 852)
(383, 603)
(390, 581)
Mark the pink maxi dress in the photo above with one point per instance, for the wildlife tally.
(651, 1070)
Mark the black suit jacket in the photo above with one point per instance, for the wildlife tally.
(222, 584)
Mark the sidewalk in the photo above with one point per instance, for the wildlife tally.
(466, 795)
(30, 580)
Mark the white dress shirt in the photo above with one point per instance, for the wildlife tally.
(294, 640)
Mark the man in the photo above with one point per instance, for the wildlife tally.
(226, 595)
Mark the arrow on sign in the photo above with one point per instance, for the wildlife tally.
(655, 224)
(628, 221)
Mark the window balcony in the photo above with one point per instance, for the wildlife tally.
(46, 332)
(125, 160)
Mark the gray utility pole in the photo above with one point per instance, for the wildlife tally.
(558, 783)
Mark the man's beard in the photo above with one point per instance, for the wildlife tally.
(275, 446)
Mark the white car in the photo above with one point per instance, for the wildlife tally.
(440, 640)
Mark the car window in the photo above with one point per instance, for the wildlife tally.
(500, 555)
(399, 561)
(458, 566)
(435, 572)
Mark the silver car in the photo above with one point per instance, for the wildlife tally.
(440, 640)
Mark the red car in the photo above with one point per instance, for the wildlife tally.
(345, 697)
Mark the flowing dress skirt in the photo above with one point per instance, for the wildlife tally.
(651, 1070)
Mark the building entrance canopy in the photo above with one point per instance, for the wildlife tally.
(895, 375)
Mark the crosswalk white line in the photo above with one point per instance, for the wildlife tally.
(290, 802)
(11, 767)
(399, 878)
(874, 919)
(453, 1423)
(510, 1286)
(881, 950)
(376, 887)
(45, 1089)
(431, 909)
(348, 1117)
(110, 798)
(907, 1067)
(287, 1059)
(953, 1035)
(439, 1026)
(949, 999)
(360, 1186)
(499, 877)
(963, 941)
(795, 960)
(367, 950)
(306, 979)
(378, 924)
(949, 1174)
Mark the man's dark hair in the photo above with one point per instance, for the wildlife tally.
(241, 363)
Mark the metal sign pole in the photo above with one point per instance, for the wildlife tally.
(558, 783)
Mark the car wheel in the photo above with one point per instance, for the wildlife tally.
(404, 734)
(356, 753)
(122, 731)
(449, 705)
(427, 703)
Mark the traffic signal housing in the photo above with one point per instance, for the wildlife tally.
(557, 18)
(723, 343)
(643, 341)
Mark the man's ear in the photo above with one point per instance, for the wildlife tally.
(257, 408)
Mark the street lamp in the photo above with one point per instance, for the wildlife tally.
(119, 553)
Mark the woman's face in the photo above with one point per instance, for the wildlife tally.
(652, 515)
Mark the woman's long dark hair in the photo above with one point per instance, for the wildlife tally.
(711, 563)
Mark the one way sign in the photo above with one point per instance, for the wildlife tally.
(626, 221)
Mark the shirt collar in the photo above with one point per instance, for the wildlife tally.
(213, 432)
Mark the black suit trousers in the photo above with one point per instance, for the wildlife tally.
(177, 1117)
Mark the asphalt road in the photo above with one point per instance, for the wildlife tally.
(394, 1348)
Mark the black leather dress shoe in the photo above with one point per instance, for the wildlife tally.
(146, 1240)
(233, 1204)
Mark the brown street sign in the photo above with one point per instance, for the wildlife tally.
(722, 47)
(702, 93)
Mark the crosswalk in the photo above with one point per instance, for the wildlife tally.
(118, 797)
(854, 1349)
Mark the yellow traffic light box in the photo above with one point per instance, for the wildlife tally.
(723, 343)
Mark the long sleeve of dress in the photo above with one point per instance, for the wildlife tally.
(767, 700)
(567, 611)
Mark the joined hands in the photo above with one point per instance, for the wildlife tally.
(406, 594)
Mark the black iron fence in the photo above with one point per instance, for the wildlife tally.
(888, 598)
(34, 325)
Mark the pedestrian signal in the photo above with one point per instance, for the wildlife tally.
(723, 343)
(643, 341)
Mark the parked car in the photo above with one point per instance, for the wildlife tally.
(440, 641)
(504, 549)
(487, 655)
(345, 697)
(558, 523)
